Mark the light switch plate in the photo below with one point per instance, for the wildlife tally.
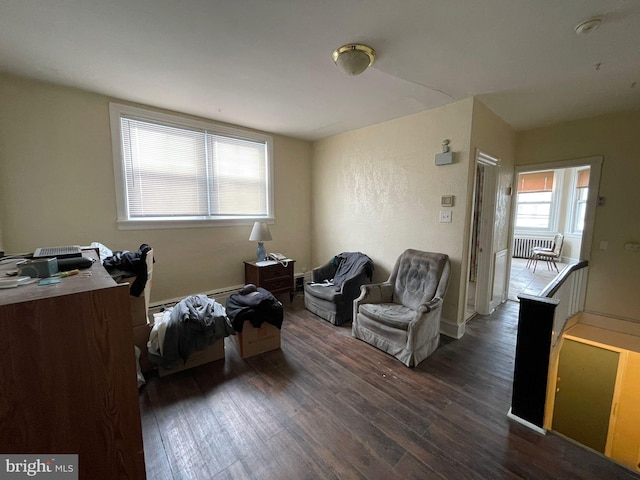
(446, 216)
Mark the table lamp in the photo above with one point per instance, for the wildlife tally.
(260, 233)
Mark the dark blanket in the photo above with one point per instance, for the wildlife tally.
(256, 305)
(131, 264)
(351, 264)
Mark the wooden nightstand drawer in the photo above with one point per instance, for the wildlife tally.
(275, 284)
(275, 271)
(276, 278)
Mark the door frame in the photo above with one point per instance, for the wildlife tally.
(485, 272)
(595, 163)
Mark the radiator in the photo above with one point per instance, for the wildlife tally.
(220, 296)
(522, 245)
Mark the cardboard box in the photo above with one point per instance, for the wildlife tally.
(140, 339)
(139, 306)
(213, 352)
(254, 341)
(138, 311)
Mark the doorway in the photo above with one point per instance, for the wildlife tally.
(570, 211)
(480, 279)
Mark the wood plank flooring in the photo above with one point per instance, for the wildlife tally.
(327, 406)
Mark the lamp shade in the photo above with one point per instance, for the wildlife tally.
(353, 59)
(260, 232)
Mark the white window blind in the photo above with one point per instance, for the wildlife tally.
(188, 173)
(165, 169)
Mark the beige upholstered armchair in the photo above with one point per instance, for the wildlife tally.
(402, 315)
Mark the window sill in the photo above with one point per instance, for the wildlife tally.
(194, 223)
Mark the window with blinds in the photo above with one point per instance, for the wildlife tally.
(579, 199)
(535, 209)
(174, 170)
(535, 182)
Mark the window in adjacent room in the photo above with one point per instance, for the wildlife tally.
(175, 172)
(579, 202)
(537, 201)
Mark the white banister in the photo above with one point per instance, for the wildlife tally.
(569, 287)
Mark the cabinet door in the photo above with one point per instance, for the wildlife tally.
(625, 440)
(584, 393)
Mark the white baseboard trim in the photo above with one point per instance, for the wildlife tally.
(522, 421)
(452, 330)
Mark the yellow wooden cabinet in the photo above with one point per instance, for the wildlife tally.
(624, 434)
(585, 349)
(585, 391)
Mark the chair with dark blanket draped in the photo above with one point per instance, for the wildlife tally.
(336, 284)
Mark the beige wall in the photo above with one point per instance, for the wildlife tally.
(614, 274)
(377, 190)
(57, 187)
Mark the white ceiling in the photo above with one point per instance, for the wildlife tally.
(267, 64)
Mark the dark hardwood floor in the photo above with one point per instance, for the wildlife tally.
(327, 406)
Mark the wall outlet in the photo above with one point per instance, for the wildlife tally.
(446, 216)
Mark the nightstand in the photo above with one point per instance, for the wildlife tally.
(276, 278)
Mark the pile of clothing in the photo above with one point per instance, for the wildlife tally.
(125, 264)
(192, 324)
(196, 322)
(256, 305)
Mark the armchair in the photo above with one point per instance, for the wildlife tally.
(334, 286)
(402, 315)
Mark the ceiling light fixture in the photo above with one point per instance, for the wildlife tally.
(588, 26)
(354, 58)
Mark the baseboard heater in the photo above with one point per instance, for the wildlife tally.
(522, 245)
(220, 296)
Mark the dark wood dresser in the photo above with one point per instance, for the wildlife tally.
(68, 375)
